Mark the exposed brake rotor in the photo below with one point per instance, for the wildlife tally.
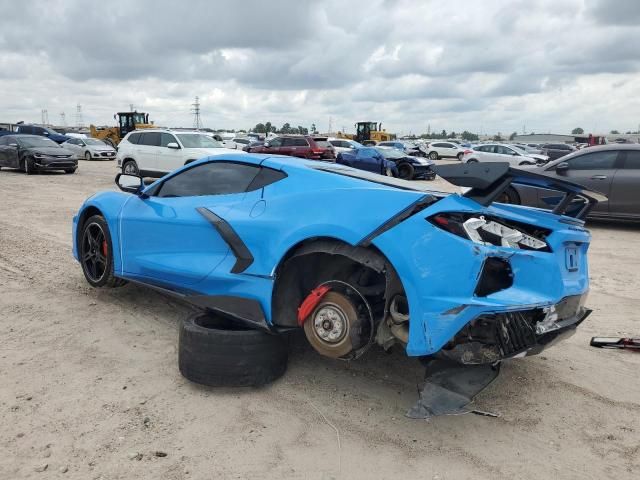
(341, 324)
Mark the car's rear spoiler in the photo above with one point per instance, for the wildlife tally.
(488, 180)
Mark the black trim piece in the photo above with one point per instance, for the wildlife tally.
(415, 207)
(245, 310)
(229, 235)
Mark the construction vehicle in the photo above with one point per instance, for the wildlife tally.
(369, 132)
(127, 121)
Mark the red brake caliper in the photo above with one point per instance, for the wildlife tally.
(309, 303)
(104, 248)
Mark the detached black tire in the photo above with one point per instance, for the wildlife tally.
(217, 352)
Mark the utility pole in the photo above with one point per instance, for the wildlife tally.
(63, 119)
(79, 121)
(197, 122)
(329, 126)
(131, 107)
(45, 116)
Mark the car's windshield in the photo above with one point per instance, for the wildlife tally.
(93, 141)
(51, 131)
(36, 142)
(391, 152)
(197, 140)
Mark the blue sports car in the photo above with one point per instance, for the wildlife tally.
(388, 161)
(352, 258)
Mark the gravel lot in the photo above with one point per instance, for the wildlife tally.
(90, 387)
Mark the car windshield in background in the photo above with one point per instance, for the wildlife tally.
(323, 143)
(391, 152)
(51, 131)
(93, 141)
(196, 140)
(36, 142)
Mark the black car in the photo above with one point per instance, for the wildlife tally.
(32, 153)
(556, 150)
(409, 167)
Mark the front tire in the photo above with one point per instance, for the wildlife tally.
(472, 160)
(87, 156)
(460, 155)
(96, 253)
(27, 166)
(433, 156)
(406, 171)
(130, 167)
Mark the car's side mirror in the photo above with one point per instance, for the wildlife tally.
(45, 133)
(562, 168)
(129, 183)
(173, 145)
(82, 144)
(266, 144)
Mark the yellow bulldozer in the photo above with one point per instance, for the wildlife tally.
(369, 132)
(127, 121)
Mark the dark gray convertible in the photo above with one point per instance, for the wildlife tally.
(613, 170)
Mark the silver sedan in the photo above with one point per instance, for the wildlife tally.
(90, 149)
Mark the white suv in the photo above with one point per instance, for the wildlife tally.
(155, 152)
(437, 150)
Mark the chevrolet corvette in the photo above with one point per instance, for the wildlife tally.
(352, 258)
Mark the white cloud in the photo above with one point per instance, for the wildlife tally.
(494, 65)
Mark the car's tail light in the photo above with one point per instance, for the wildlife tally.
(487, 230)
(467, 151)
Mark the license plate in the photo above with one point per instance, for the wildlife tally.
(571, 258)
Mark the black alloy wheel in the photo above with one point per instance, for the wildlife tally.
(94, 252)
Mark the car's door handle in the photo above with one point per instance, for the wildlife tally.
(599, 177)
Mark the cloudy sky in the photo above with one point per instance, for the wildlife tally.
(490, 66)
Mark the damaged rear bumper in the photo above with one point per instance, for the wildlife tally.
(491, 338)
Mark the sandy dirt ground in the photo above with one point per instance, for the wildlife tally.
(89, 385)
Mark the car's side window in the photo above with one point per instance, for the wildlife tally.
(300, 142)
(367, 153)
(166, 139)
(134, 138)
(151, 139)
(594, 161)
(214, 178)
(288, 142)
(4, 140)
(276, 142)
(632, 161)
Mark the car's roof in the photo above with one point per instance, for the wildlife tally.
(595, 148)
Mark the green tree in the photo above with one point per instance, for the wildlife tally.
(577, 131)
(452, 134)
(443, 134)
(314, 130)
(302, 130)
(614, 132)
(259, 128)
(286, 128)
(268, 127)
(470, 137)
(497, 138)
(513, 135)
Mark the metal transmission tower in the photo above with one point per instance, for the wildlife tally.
(45, 116)
(197, 121)
(63, 119)
(79, 121)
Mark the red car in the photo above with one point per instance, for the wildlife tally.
(304, 146)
